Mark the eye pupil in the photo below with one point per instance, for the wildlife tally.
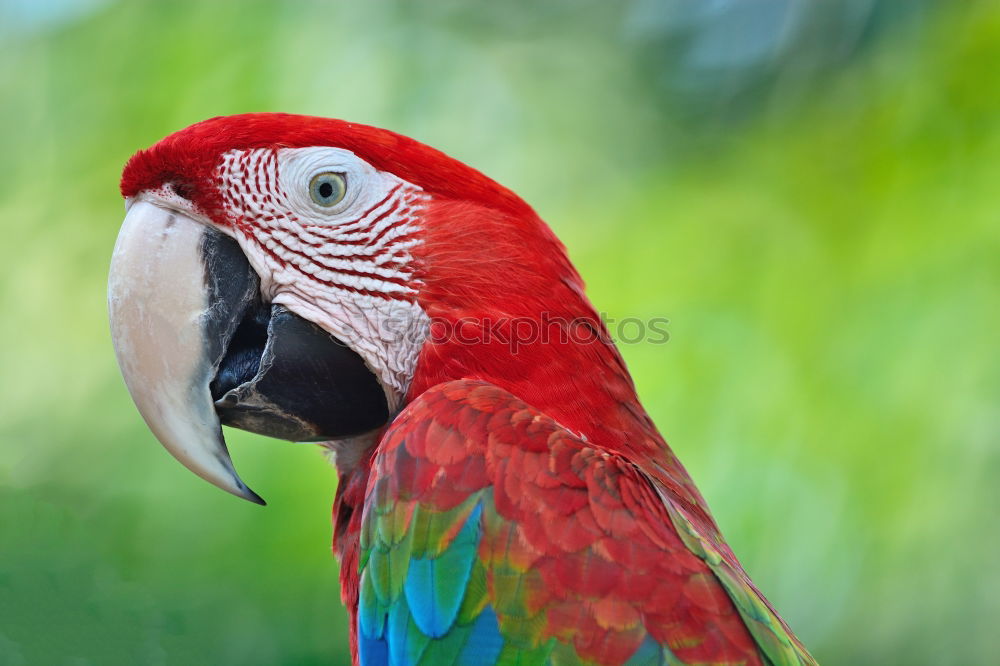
(328, 188)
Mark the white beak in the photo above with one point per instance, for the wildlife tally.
(159, 305)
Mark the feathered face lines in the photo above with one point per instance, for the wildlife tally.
(337, 254)
(360, 243)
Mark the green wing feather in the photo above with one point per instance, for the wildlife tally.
(772, 636)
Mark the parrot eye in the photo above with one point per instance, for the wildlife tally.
(327, 188)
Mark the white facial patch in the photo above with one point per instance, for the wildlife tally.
(346, 267)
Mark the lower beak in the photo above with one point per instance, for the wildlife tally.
(198, 347)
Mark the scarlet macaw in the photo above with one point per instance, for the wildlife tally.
(313, 279)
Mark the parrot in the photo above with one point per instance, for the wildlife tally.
(503, 497)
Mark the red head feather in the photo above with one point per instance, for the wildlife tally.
(189, 156)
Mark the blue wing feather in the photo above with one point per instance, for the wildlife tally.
(372, 651)
(431, 582)
(484, 643)
(397, 629)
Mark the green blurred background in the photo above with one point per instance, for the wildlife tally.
(809, 191)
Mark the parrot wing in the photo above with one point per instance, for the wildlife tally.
(491, 534)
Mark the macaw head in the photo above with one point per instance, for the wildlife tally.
(299, 277)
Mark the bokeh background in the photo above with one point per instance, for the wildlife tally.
(810, 192)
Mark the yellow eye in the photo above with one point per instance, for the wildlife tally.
(327, 188)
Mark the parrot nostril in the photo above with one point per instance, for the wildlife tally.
(182, 190)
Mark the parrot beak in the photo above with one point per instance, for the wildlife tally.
(199, 348)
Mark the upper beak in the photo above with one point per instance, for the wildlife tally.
(195, 342)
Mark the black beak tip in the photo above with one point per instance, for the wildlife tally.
(251, 496)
